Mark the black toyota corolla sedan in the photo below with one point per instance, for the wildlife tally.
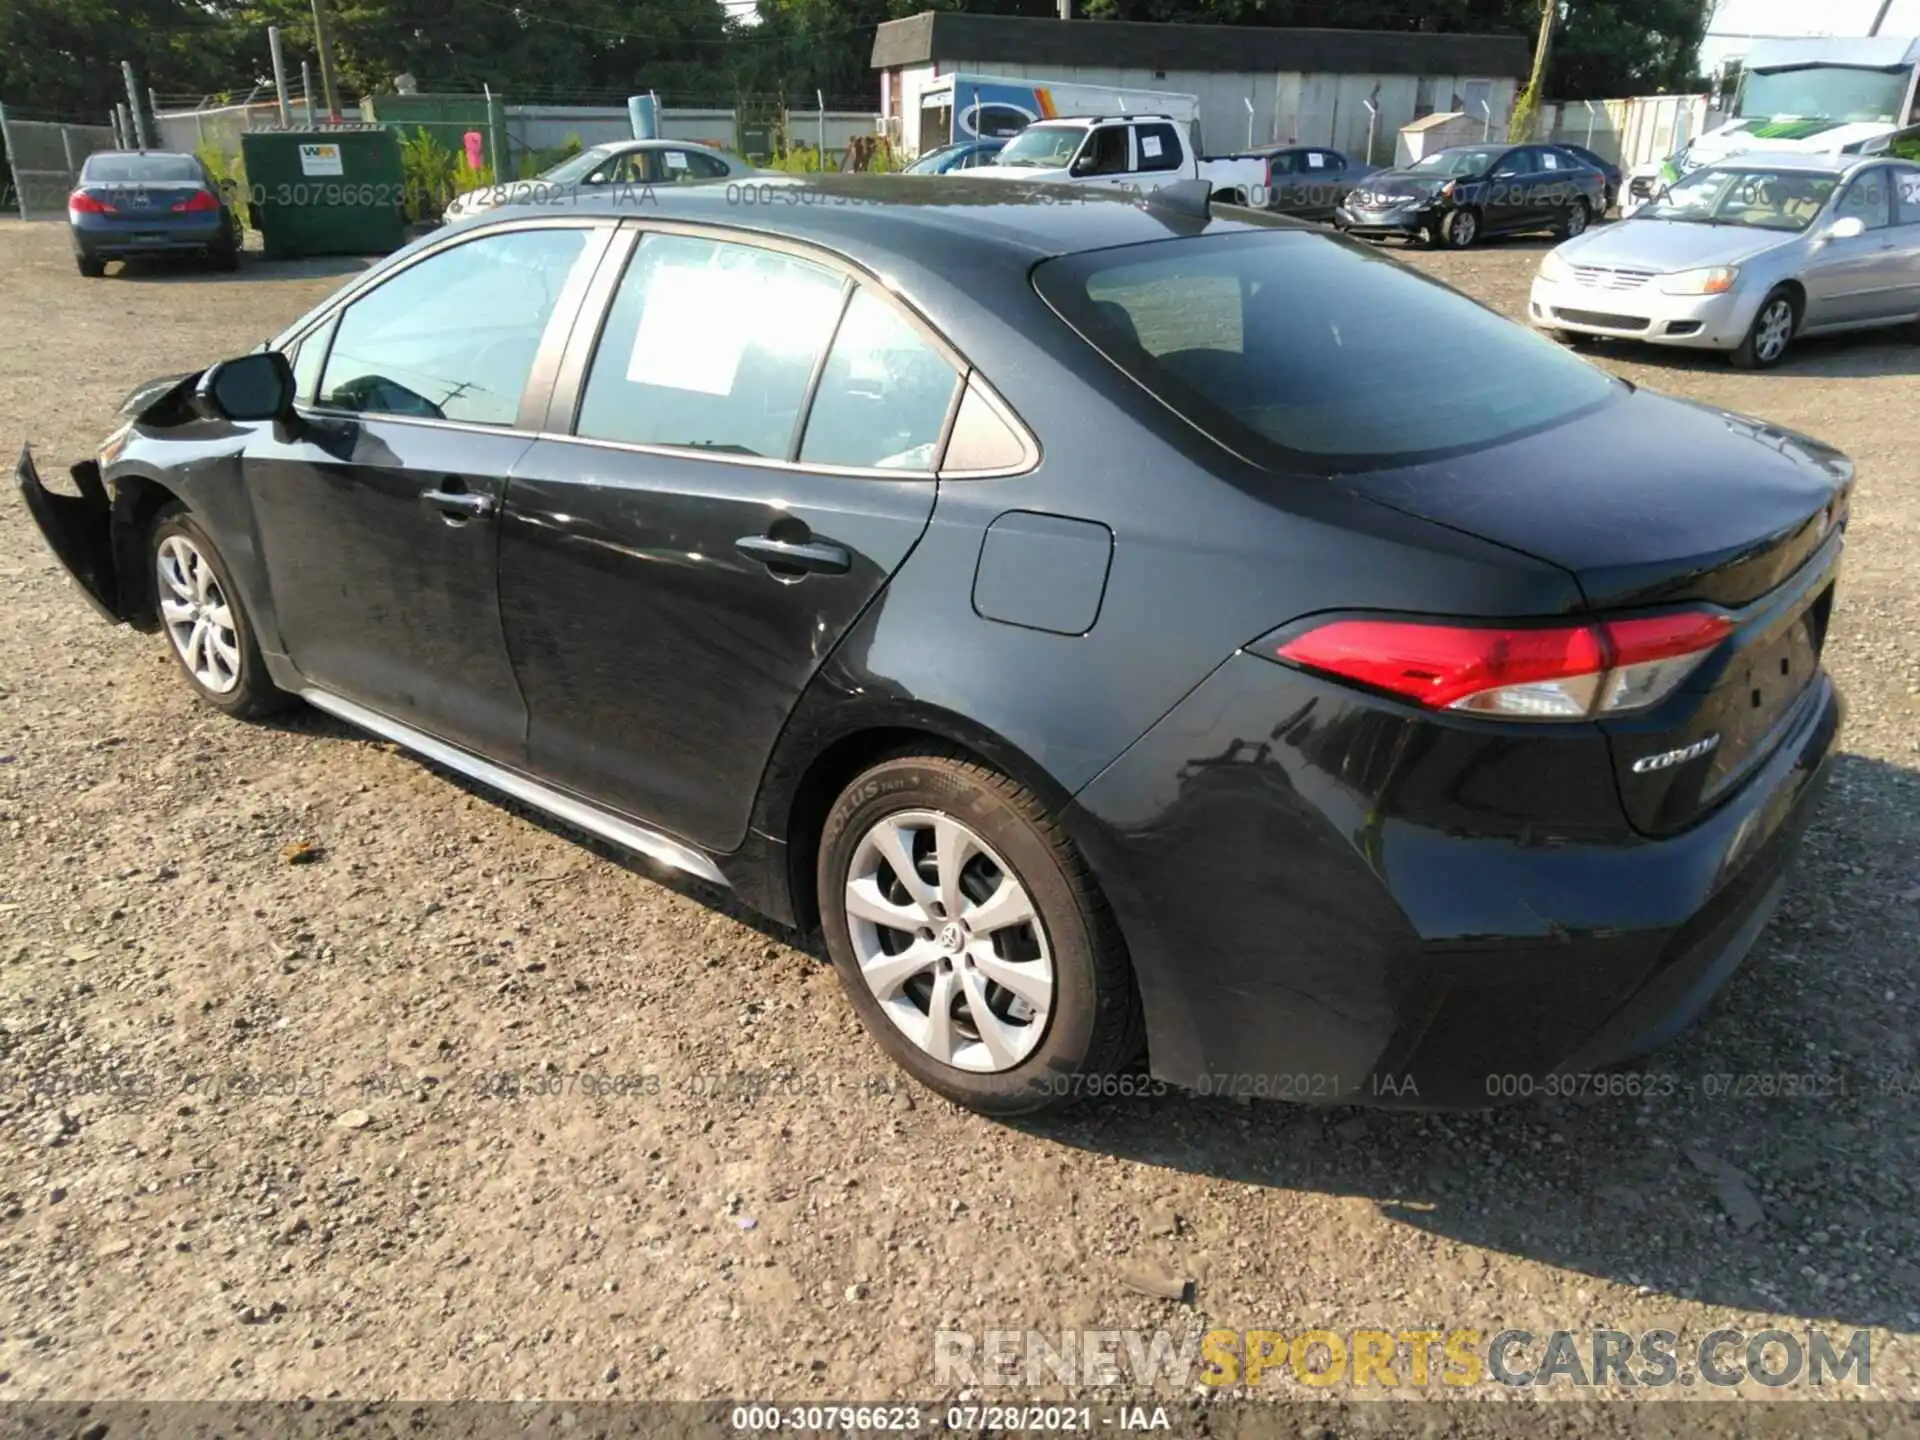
(1103, 619)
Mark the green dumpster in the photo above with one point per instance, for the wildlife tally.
(337, 191)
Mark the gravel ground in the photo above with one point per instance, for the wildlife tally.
(462, 1106)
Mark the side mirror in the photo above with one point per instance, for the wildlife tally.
(1082, 166)
(1846, 227)
(253, 387)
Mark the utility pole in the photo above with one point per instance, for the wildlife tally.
(279, 76)
(323, 42)
(134, 103)
(1528, 104)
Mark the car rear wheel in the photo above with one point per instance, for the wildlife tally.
(1771, 333)
(1574, 221)
(1460, 229)
(88, 266)
(206, 625)
(971, 937)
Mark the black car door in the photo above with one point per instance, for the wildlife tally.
(378, 512)
(1556, 183)
(1510, 202)
(738, 459)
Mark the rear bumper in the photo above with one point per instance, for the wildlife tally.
(122, 238)
(1297, 933)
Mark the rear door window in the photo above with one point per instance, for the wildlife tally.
(1906, 194)
(883, 397)
(1159, 147)
(681, 165)
(710, 345)
(1301, 351)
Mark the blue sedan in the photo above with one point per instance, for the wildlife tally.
(961, 155)
(149, 202)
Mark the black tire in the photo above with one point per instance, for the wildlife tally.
(227, 257)
(1575, 339)
(1574, 220)
(1093, 1028)
(1754, 352)
(88, 266)
(253, 693)
(1460, 228)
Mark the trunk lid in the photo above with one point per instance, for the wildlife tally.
(1650, 502)
(144, 203)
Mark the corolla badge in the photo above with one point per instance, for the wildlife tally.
(1667, 759)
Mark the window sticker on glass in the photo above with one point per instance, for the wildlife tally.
(1316, 161)
(676, 160)
(1150, 146)
(1910, 189)
(696, 323)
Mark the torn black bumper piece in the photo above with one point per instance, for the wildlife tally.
(78, 529)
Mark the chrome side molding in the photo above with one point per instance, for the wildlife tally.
(613, 828)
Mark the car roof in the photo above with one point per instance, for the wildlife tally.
(875, 217)
(1811, 164)
(657, 143)
(143, 154)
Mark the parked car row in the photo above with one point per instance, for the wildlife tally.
(1744, 257)
(1107, 623)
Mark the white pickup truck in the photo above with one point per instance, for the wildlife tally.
(1137, 152)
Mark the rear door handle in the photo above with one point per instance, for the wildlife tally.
(461, 504)
(820, 556)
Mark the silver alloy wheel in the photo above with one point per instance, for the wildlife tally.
(1577, 219)
(198, 618)
(1775, 329)
(949, 942)
(1464, 228)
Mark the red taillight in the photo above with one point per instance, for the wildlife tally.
(1560, 672)
(199, 200)
(81, 203)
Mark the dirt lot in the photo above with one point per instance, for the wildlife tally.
(353, 1146)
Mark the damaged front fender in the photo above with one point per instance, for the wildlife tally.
(79, 531)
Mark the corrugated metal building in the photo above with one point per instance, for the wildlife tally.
(1307, 87)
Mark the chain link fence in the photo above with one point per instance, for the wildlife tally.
(46, 157)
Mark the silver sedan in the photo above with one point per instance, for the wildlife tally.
(1746, 256)
(621, 162)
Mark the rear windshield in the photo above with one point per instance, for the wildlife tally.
(158, 169)
(1295, 348)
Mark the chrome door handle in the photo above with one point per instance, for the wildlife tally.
(462, 502)
(820, 556)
